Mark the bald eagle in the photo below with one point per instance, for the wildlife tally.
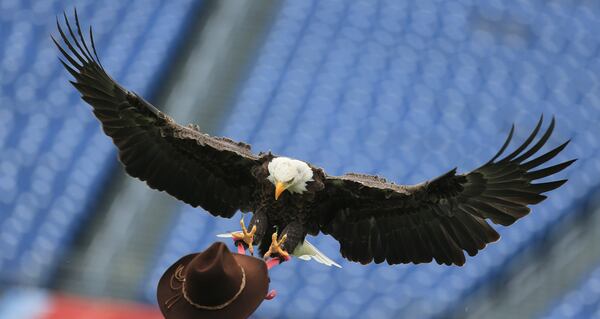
(373, 220)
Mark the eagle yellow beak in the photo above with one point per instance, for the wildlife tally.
(279, 188)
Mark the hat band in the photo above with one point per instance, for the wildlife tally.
(179, 276)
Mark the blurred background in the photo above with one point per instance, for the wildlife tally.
(407, 89)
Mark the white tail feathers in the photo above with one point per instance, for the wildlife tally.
(306, 251)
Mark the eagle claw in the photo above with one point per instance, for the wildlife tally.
(275, 248)
(245, 236)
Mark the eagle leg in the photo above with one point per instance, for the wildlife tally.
(245, 236)
(295, 233)
(259, 220)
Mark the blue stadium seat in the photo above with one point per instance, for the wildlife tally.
(53, 155)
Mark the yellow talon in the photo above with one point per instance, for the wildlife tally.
(275, 247)
(245, 236)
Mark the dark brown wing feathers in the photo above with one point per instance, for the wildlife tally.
(372, 219)
(375, 220)
(201, 170)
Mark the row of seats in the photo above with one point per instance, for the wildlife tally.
(409, 90)
(54, 159)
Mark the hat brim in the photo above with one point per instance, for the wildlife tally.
(257, 285)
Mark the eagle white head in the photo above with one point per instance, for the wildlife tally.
(289, 174)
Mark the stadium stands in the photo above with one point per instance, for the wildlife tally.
(405, 89)
(53, 155)
(582, 302)
(408, 90)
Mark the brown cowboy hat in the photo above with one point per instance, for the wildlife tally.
(213, 284)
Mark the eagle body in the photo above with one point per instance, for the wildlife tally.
(373, 220)
(292, 213)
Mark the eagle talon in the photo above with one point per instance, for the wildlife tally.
(245, 236)
(275, 248)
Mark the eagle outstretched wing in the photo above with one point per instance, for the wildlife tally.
(375, 220)
(211, 172)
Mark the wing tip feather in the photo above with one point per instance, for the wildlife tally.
(77, 44)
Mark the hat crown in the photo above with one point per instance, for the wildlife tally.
(213, 277)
